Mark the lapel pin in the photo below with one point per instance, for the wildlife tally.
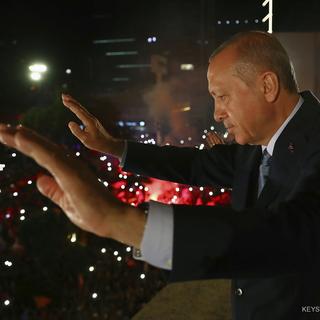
(291, 147)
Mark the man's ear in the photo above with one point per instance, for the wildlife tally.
(270, 86)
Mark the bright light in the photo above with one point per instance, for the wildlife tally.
(8, 263)
(78, 154)
(119, 259)
(182, 141)
(187, 67)
(22, 218)
(201, 146)
(152, 39)
(6, 302)
(121, 53)
(30, 182)
(22, 211)
(38, 68)
(102, 158)
(103, 250)
(210, 193)
(13, 155)
(2, 166)
(118, 40)
(68, 71)
(142, 276)
(212, 128)
(73, 237)
(94, 295)
(35, 76)
(222, 190)
(190, 188)
(269, 16)
(201, 188)
(128, 249)
(142, 123)
(91, 268)
(15, 194)
(105, 183)
(45, 208)
(115, 253)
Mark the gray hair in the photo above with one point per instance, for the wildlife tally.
(257, 50)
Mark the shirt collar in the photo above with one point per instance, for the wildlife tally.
(275, 137)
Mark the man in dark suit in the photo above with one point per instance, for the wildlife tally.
(268, 242)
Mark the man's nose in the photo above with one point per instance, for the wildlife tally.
(219, 112)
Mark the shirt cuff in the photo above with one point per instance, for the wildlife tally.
(157, 241)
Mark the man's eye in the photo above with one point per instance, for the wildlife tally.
(223, 97)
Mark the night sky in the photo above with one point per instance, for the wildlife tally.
(62, 32)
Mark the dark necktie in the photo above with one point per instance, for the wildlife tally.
(264, 170)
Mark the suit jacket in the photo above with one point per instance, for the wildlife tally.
(269, 246)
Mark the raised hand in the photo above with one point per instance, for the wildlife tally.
(76, 190)
(213, 138)
(93, 136)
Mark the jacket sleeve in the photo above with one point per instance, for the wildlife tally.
(216, 242)
(214, 167)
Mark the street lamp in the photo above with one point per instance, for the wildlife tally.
(37, 71)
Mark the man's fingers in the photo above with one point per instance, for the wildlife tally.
(7, 134)
(82, 113)
(49, 187)
(213, 139)
(67, 97)
(210, 140)
(43, 151)
(217, 139)
(76, 130)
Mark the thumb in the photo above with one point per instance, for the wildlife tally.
(49, 187)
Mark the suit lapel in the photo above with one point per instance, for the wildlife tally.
(245, 186)
(287, 155)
